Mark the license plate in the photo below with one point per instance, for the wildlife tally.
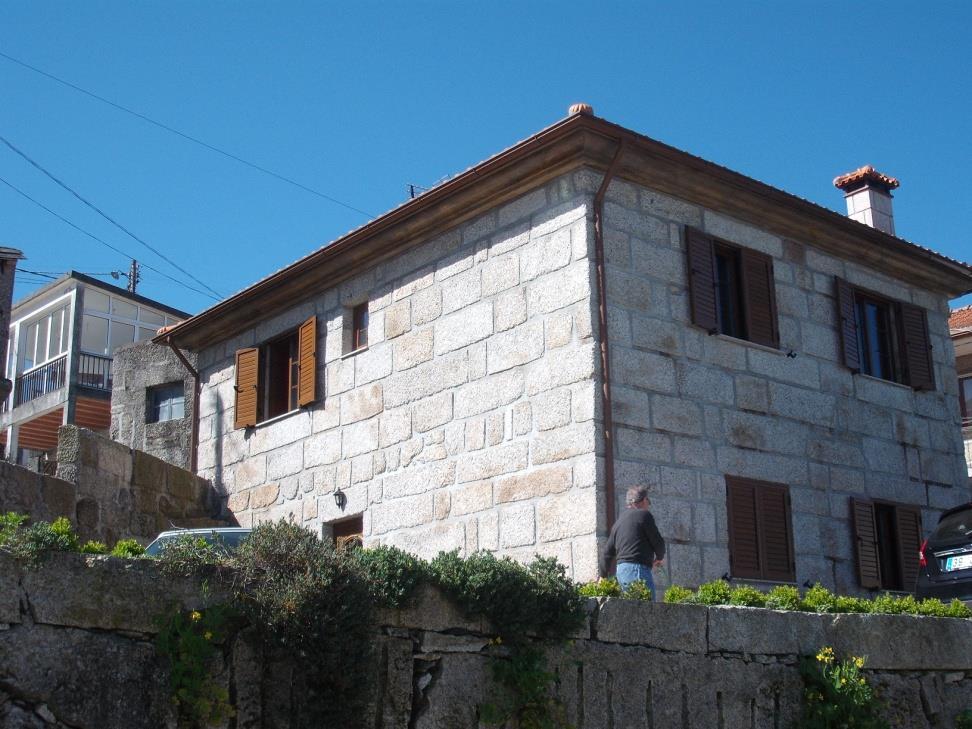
(961, 562)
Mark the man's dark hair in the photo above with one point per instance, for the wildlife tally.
(635, 495)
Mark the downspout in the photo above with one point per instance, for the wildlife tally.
(609, 505)
(196, 390)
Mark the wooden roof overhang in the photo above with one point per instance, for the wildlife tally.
(579, 140)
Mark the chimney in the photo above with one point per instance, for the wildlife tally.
(868, 195)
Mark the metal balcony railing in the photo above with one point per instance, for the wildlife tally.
(40, 380)
(94, 371)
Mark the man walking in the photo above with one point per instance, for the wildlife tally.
(635, 542)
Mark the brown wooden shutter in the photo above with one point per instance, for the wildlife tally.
(908, 523)
(866, 547)
(847, 325)
(744, 556)
(775, 532)
(917, 347)
(247, 378)
(702, 280)
(759, 293)
(307, 362)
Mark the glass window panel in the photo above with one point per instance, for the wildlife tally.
(30, 344)
(94, 334)
(66, 330)
(120, 307)
(95, 300)
(144, 334)
(120, 334)
(42, 326)
(57, 321)
(150, 317)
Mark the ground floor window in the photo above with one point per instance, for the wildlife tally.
(760, 530)
(887, 538)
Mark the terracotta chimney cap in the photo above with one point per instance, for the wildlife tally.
(863, 175)
(580, 108)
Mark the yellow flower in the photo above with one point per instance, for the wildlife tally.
(826, 655)
(208, 635)
(859, 662)
(195, 616)
(843, 681)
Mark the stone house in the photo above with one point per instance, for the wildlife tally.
(490, 365)
(960, 327)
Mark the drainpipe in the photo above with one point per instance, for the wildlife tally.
(194, 434)
(603, 323)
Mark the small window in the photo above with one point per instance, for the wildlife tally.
(731, 290)
(965, 401)
(887, 539)
(278, 377)
(166, 402)
(348, 533)
(760, 530)
(884, 338)
(359, 326)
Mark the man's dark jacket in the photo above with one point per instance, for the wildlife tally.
(634, 538)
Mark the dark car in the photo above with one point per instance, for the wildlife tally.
(945, 559)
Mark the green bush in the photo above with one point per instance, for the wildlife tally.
(891, 605)
(958, 609)
(836, 694)
(747, 596)
(186, 555)
(847, 604)
(638, 590)
(31, 543)
(964, 720)
(818, 599)
(129, 548)
(392, 574)
(678, 595)
(783, 597)
(604, 587)
(716, 592)
(93, 547)
(10, 523)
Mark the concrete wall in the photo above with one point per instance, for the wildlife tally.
(691, 408)
(467, 423)
(136, 368)
(632, 665)
(122, 493)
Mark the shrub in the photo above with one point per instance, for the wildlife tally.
(716, 592)
(638, 590)
(818, 599)
(127, 548)
(677, 594)
(783, 597)
(604, 587)
(31, 543)
(964, 720)
(10, 523)
(186, 555)
(891, 605)
(392, 575)
(836, 693)
(93, 547)
(958, 609)
(747, 596)
(847, 604)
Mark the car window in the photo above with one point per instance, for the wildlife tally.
(955, 526)
(229, 541)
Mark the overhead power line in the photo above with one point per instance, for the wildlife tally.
(188, 137)
(104, 243)
(107, 217)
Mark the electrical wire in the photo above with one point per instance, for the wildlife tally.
(104, 243)
(107, 217)
(42, 274)
(188, 137)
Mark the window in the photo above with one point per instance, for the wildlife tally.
(731, 290)
(347, 534)
(359, 327)
(760, 531)
(887, 537)
(276, 377)
(965, 401)
(884, 338)
(166, 402)
(45, 339)
(103, 332)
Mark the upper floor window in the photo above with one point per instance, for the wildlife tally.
(359, 327)
(276, 377)
(111, 321)
(731, 289)
(884, 338)
(166, 402)
(44, 339)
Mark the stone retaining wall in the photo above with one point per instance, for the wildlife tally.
(76, 651)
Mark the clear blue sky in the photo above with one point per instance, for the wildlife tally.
(360, 99)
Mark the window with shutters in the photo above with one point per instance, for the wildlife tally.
(887, 538)
(731, 289)
(277, 377)
(760, 530)
(884, 338)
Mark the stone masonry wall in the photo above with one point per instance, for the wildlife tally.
(468, 423)
(691, 408)
(136, 368)
(120, 493)
(76, 651)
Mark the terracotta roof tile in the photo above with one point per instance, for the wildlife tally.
(960, 318)
(865, 174)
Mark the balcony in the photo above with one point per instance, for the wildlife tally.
(94, 371)
(40, 381)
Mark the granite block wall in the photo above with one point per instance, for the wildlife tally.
(468, 422)
(691, 408)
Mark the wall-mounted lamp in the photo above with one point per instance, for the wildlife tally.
(340, 499)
